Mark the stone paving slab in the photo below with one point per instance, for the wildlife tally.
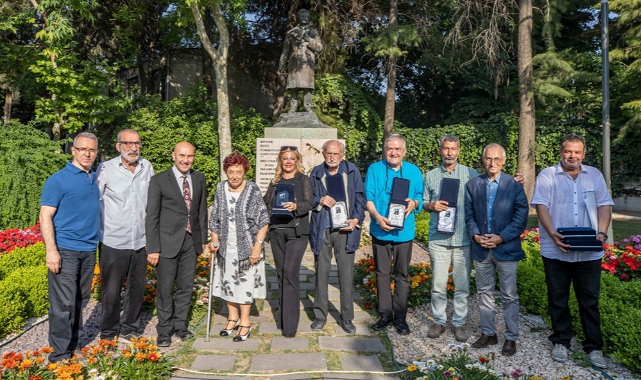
(334, 286)
(361, 329)
(225, 344)
(360, 316)
(271, 278)
(304, 270)
(307, 286)
(303, 294)
(252, 318)
(334, 295)
(361, 363)
(292, 377)
(333, 280)
(357, 377)
(273, 286)
(350, 344)
(282, 343)
(184, 376)
(356, 296)
(213, 362)
(294, 361)
(268, 328)
(302, 277)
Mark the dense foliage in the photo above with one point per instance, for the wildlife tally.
(189, 118)
(27, 158)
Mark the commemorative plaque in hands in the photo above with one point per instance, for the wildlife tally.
(339, 213)
(449, 193)
(580, 239)
(285, 192)
(398, 205)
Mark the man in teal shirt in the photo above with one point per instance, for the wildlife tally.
(392, 245)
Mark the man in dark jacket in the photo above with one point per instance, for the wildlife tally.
(347, 196)
(496, 212)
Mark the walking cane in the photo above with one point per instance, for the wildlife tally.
(211, 284)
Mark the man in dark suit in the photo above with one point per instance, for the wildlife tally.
(176, 227)
(496, 212)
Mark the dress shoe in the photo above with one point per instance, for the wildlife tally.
(227, 332)
(242, 338)
(348, 326)
(128, 336)
(460, 333)
(509, 348)
(289, 335)
(485, 341)
(382, 323)
(435, 331)
(164, 340)
(401, 327)
(184, 334)
(318, 324)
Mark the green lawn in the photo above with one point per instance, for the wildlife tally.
(623, 228)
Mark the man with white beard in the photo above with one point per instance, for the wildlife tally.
(123, 183)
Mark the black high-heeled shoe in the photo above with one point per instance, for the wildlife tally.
(225, 332)
(242, 338)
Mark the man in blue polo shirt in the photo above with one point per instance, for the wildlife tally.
(391, 244)
(70, 225)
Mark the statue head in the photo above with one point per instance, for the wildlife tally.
(303, 16)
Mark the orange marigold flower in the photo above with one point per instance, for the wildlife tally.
(18, 357)
(9, 363)
(127, 354)
(92, 360)
(153, 356)
(51, 366)
(35, 377)
(26, 364)
(35, 353)
(40, 360)
(140, 356)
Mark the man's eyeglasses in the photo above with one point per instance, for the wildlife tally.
(83, 150)
(288, 147)
(489, 160)
(129, 144)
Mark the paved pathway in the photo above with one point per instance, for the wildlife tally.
(266, 351)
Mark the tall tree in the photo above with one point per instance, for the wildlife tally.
(527, 124)
(390, 94)
(219, 58)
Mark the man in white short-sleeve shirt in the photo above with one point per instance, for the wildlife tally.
(123, 183)
(560, 197)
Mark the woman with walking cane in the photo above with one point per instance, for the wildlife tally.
(238, 226)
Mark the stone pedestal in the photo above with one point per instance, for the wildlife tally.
(300, 125)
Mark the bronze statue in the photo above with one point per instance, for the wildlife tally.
(301, 45)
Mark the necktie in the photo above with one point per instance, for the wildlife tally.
(187, 197)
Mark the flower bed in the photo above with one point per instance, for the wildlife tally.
(141, 360)
(15, 238)
(420, 276)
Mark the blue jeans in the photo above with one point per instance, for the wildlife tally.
(441, 258)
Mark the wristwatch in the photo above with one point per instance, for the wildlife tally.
(261, 242)
(605, 236)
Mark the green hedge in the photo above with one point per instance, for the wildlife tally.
(162, 124)
(348, 107)
(23, 287)
(27, 158)
(619, 303)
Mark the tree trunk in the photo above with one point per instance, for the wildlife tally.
(8, 101)
(390, 96)
(527, 126)
(219, 57)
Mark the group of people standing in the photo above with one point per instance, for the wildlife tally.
(161, 219)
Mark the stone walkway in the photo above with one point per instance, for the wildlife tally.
(266, 351)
